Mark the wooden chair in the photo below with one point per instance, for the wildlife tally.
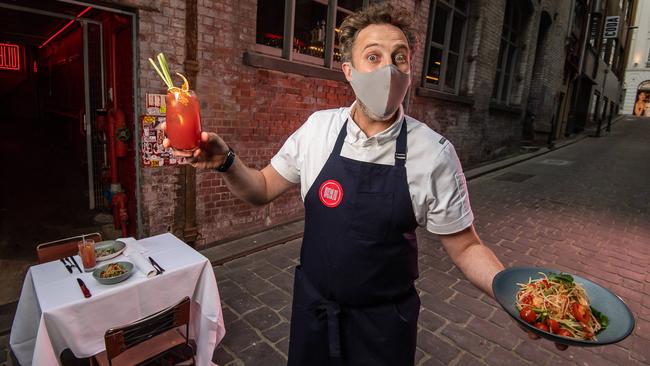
(62, 248)
(146, 340)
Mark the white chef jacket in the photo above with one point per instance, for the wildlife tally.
(435, 177)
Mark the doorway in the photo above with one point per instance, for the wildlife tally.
(58, 73)
(642, 100)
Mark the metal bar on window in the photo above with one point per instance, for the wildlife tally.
(329, 32)
(365, 4)
(505, 37)
(427, 51)
(461, 55)
(289, 18)
(445, 49)
(512, 73)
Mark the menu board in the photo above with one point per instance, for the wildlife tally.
(153, 152)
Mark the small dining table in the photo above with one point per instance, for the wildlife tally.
(53, 315)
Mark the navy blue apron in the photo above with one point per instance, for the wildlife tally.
(354, 301)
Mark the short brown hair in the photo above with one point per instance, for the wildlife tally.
(382, 13)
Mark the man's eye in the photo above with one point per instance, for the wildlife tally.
(400, 59)
(373, 58)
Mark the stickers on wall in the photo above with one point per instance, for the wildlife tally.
(153, 152)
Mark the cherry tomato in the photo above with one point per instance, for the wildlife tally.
(553, 325)
(528, 315)
(541, 326)
(580, 312)
(564, 333)
(528, 299)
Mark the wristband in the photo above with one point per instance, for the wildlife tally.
(230, 158)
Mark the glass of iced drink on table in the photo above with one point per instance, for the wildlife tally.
(183, 116)
(87, 254)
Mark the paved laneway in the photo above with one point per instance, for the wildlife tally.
(583, 209)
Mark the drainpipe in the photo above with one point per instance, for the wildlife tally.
(191, 66)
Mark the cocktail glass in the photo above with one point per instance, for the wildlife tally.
(87, 254)
(183, 119)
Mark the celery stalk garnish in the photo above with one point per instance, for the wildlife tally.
(163, 70)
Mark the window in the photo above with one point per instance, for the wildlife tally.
(446, 39)
(309, 23)
(613, 51)
(595, 29)
(508, 51)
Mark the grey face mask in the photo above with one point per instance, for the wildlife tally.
(381, 91)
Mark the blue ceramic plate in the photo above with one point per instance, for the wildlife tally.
(127, 266)
(621, 321)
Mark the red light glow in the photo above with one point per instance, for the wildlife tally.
(9, 56)
(65, 27)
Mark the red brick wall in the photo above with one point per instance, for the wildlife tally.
(254, 110)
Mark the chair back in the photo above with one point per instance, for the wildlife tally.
(118, 340)
(62, 248)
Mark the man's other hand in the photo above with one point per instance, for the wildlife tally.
(534, 336)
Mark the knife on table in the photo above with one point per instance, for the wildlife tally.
(83, 287)
(156, 265)
(67, 266)
(76, 265)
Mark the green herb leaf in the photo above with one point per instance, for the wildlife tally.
(562, 277)
(602, 318)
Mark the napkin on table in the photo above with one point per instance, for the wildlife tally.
(134, 252)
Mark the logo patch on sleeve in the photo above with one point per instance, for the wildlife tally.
(330, 193)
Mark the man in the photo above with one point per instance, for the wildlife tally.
(640, 105)
(369, 176)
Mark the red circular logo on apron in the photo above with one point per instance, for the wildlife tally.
(330, 193)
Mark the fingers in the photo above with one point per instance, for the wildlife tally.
(205, 136)
(532, 335)
(182, 154)
(162, 126)
(196, 153)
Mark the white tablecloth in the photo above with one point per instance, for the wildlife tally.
(53, 315)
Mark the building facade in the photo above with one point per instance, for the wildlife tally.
(488, 74)
(636, 97)
(484, 75)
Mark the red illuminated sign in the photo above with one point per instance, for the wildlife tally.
(9, 56)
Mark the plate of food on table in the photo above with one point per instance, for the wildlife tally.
(563, 307)
(108, 249)
(112, 273)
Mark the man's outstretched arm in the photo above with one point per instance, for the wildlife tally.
(257, 187)
(477, 262)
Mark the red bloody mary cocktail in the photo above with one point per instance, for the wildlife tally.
(183, 119)
(183, 111)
